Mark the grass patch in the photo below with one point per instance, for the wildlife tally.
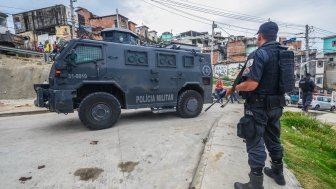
(310, 150)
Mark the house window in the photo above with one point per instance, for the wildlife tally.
(319, 64)
(334, 43)
(319, 80)
(331, 59)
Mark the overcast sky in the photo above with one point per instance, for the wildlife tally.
(320, 14)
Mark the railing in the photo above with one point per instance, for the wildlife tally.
(20, 51)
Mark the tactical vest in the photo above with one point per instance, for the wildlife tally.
(306, 85)
(269, 83)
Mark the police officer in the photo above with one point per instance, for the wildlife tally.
(263, 107)
(307, 86)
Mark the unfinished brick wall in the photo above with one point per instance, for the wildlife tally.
(104, 22)
(215, 57)
(236, 51)
(132, 26)
(84, 16)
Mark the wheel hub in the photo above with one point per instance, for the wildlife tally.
(100, 112)
(192, 104)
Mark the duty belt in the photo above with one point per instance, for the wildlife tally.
(268, 101)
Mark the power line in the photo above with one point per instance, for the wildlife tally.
(251, 16)
(224, 14)
(176, 13)
(229, 26)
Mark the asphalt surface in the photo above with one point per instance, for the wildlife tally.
(143, 150)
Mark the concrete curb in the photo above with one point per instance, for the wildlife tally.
(10, 114)
(197, 179)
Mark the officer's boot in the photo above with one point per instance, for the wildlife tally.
(256, 182)
(276, 172)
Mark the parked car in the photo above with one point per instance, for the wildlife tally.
(321, 103)
(288, 99)
(294, 99)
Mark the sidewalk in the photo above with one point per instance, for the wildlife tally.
(225, 159)
(19, 107)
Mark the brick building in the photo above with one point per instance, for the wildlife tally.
(132, 26)
(236, 50)
(96, 23)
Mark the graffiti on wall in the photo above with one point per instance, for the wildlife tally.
(229, 70)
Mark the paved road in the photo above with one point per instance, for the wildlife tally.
(143, 150)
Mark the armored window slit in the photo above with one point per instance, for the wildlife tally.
(137, 58)
(166, 60)
(188, 61)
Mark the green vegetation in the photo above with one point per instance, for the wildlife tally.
(310, 150)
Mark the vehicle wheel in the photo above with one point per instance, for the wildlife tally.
(317, 107)
(189, 104)
(99, 110)
(332, 108)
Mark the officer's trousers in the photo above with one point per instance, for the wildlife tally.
(267, 125)
(307, 98)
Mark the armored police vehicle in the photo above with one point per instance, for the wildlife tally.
(99, 78)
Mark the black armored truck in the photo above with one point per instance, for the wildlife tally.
(99, 78)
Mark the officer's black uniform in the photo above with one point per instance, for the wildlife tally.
(264, 105)
(307, 86)
(262, 111)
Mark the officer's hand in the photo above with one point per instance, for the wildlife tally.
(228, 91)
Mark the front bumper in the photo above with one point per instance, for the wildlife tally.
(60, 101)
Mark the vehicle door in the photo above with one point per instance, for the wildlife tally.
(87, 62)
(133, 74)
(166, 77)
(327, 103)
(318, 102)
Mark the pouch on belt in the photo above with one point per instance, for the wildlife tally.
(246, 128)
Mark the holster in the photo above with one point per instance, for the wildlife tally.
(246, 128)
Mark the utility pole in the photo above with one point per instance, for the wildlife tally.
(213, 40)
(72, 18)
(307, 48)
(117, 19)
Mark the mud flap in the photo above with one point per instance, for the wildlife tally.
(63, 101)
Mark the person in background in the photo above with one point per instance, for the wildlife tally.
(47, 50)
(307, 86)
(40, 47)
(219, 89)
(234, 95)
(55, 48)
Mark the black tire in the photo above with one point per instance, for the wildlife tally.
(332, 108)
(189, 104)
(99, 110)
(317, 107)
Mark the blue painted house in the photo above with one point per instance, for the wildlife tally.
(329, 49)
(329, 44)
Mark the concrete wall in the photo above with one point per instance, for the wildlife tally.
(17, 76)
(331, 79)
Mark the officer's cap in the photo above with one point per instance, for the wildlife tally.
(269, 29)
(308, 74)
